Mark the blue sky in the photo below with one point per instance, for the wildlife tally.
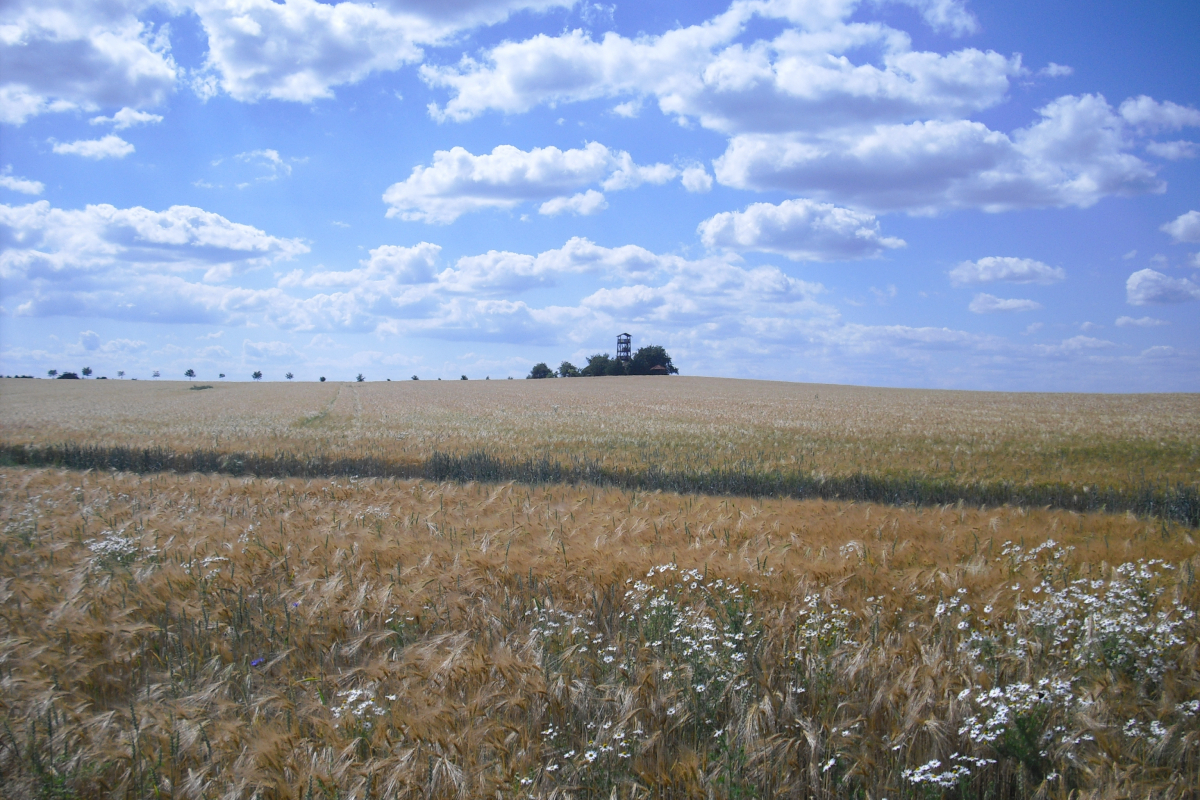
(923, 193)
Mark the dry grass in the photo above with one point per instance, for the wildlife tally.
(205, 636)
(675, 424)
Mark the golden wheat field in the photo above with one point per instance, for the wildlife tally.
(671, 423)
(218, 636)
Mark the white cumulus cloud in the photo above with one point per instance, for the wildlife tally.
(1173, 151)
(990, 304)
(584, 204)
(802, 230)
(696, 179)
(1005, 268)
(803, 78)
(1074, 155)
(110, 146)
(300, 50)
(1185, 227)
(1140, 322)
(1149, 287)
(22, 185)
(1148, 114)
(458, 182)
(101, 55)
(127, 118)
(47, 244)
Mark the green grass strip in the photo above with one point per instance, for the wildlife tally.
(1178, 503)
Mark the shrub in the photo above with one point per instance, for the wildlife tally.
(540, 370)
(68, 376)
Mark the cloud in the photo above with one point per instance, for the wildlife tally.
(299, 50)
(1147, 114)
(269, 161)
(1073, 156)
(802, 230)
(1147, 287)
(389, 265)
(1005, 268)
(1173, 151)
(267, 351)
(1053, 70)
(90, 342)
(802, 79)
(950, 16)
(1184, 228)
(697, 179)
(110, 146)
(1074, 346)
(589, 202)
(458, 182)
(102, 55)
(22, 185)
(127, 118)
(1141, 322)
(49, 245)
(990, 304)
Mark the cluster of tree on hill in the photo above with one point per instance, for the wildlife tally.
(649, 360)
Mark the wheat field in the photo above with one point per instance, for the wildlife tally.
(206, 635)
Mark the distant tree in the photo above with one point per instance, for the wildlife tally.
(540, 370)
(191, 373)
(86, 371)
(68, 376)
(120, 373)
(648, 357)
(567, 370)
(257, 375)
(289, 376)
(360, 378)
(222, 375)
(52, 373)
(415, 378)
(154, 374)
(463, 378)
(597, 365)
(322, 379)
(616, 367)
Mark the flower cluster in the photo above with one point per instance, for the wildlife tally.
(114, 548)
(358, 707)
(928, 773)
(701, 629)
(1116, 623)
(1014, 706)
(822, 627)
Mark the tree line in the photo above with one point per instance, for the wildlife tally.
(644, 362)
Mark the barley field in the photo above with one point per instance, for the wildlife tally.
(679, 423)
(206, 634)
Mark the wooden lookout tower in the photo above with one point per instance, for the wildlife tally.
(624, 347)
